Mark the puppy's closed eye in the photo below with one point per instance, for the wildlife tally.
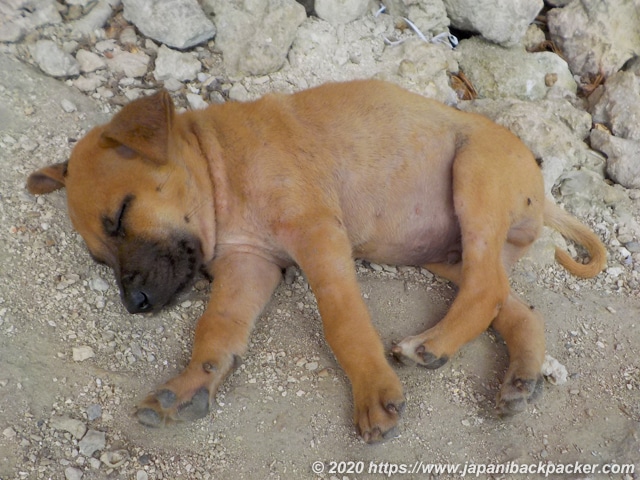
(114, 225)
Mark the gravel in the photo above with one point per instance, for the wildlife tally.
(74, 363)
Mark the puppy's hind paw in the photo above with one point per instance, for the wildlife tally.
(417, 353)
(516, 394)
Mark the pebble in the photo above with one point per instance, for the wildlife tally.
(114, 459)
(28, 144)
(71, 473)
(94, 412)
(71, 425)
(553, 371)
(68, 106)
(53, 60)
(615, 272)
(238, 93)
(80, 354)
(89, 61)
(131, 64)
(98, 284)
(9, 433)
(633, 246)
(142, 475)
(311, 366)
(196, 102)
(178, 65)
(92, 442)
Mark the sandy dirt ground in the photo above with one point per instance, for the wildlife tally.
(288, 405)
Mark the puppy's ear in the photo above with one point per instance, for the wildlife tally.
(47, 179)
(143, 127)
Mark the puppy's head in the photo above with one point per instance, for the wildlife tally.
(139, 193)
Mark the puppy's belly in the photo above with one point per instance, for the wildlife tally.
(414, 244)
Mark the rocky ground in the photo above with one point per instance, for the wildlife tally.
(73, 363)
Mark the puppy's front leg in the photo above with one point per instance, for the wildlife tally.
(243, 284)
(323, 251)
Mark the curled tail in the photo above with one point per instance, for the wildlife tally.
(571, 228)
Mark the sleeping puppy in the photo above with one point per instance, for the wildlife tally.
(349, 170)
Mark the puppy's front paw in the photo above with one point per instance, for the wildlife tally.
(166, 406)
(378, 406)
(186, 397)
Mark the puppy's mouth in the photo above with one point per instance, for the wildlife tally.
(150, 274)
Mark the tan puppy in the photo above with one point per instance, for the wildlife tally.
(361, 169)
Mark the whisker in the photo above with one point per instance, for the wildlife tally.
(193, 211)
(165, 181)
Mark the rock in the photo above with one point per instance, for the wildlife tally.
(553, 371)
(633, 65)
(542, 252)
(142, 475)
(341, 11)
(619, 106)
(422, 67)
(98, 284)
(80, 354)
(178, 23)
(11, 32)
(73, 426)
(501, 21)
(92, 442)
(88, 83)
(238, 93)
(68, 106)
(131, 64)
(114, 459)
(196, 102)
(596, 36)
(498, 72)
(533, 38)
(255, 37)
(174, 64)
(430, 17)
(623, 157)
(128, 36)
(172, 84)
(552, 129)
(95, 19)
(53, 61)
(94, 412)
(584, 193)
(18, 18)
(89, 61)
(9, 433)
(71, 473)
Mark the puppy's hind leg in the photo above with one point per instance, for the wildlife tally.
(484, 216)
(522, 329)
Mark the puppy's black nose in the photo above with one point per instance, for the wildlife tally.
(136, 301)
